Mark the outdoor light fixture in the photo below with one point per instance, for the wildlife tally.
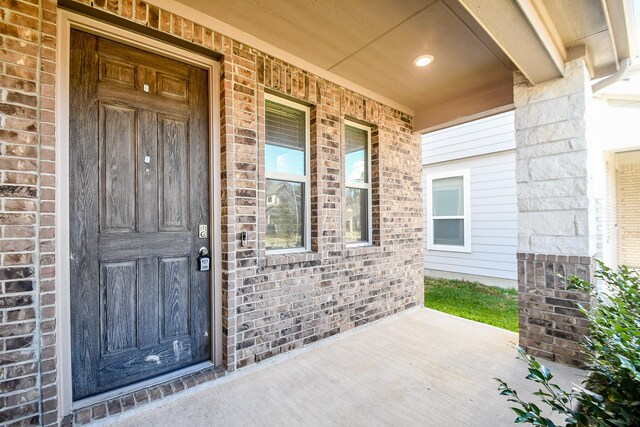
(423, 60)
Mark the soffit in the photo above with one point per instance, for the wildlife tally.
(373, 43)
(584, 23)
(322, 32)
(462, 62)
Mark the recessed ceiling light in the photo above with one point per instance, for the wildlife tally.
(423, 60)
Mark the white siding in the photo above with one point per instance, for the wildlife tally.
(484, 136)
(494, 209)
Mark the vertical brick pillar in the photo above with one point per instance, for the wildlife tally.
(556, 220)
(28, 373)
(550, 324)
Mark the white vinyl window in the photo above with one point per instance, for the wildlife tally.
(448, 215)
(357, 163)
(287, 192)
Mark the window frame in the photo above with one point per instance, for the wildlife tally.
(362, 186)
(280, 176)
(466, 217)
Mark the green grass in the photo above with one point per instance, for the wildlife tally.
(487, 304)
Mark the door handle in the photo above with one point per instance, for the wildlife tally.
(204, 261)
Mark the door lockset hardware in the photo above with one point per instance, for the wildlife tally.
(203, 231)
(204, 261)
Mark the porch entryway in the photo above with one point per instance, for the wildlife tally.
(421, 367)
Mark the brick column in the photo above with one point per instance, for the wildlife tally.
(28, 371)
(556, 220)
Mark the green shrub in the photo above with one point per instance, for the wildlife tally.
(610, 394)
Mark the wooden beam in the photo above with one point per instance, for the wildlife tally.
(483, 101)
(612, 33)
(619, 16)
(526, 36)
(539, 18)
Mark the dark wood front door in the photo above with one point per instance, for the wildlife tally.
(139, 162)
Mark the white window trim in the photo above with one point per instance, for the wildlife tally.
(466, 187)
(306, 179)
(365, 186)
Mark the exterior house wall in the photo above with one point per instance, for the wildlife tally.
(271, 304)
(608, 214)
(617, 125)
(28, 371)
(486, 148)
(628, 204)
(484, 136)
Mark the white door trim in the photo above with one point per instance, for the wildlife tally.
(67, 20)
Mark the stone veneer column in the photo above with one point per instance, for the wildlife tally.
(556, 220)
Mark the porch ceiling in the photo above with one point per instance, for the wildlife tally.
(476, 44)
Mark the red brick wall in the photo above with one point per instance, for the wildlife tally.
(551, 326)
(27, 188)
(271, 304)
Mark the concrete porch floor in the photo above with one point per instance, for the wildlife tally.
(421, 367)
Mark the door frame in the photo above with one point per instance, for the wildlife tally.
(66, 20)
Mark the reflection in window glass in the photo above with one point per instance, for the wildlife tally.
(448, 212)
(448, 196)
(356, 155)
(357, 215)
(285, 214)
(284, 160)
(285, 134)
(448, 232)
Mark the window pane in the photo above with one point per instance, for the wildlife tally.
(448, 232)
(357, 216)
(448, 196)
(285, 133)
(356, 155)
(285, 214)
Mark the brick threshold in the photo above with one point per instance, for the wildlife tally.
(137, 398)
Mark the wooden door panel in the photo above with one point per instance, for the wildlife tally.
(172, 87)
(124, 368)
(147, 177)
(139, 189)
(149, 311)
(141, 59)
(174, 296)
(199, 184)
(174, 180)
(83, 213)
(117, 169)
(141, 245)
(118, 72)
(112, 94)
(119, 285)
